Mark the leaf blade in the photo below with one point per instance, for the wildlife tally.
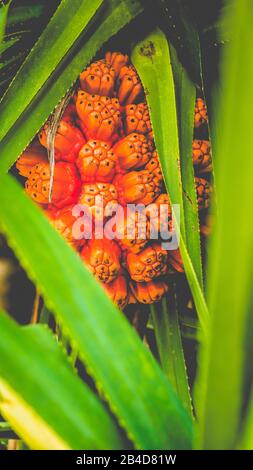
(58, 37)
(151, 57)
(35, 377)
(118, 14)
(142, 389)
(222, 358)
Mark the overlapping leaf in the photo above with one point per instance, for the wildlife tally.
(122, 367)
(44, 400)
(152, 60)
(66, 25)
(117, 14)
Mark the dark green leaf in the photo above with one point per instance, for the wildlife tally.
(22, 14)
(116, 16)
(66, 25)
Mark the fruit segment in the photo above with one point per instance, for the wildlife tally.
(96, 162)
(137, 119)
(98, 78)
(67, 143)
(133, 152)
(138, 187)
(201, 155)
(32, 156)
(117, 60)
(99, 115)
(102, 258)
(129, 85)
(66, 185)
(149, 264)
(204, 191)
(200, 117)
(149, 292)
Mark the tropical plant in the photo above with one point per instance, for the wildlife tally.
(126, 378)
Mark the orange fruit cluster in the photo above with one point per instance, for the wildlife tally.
(104, 156)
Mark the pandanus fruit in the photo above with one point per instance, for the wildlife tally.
(67, 143)
(32, 156)
(138, 187)
(98, 79)
(133, 152)
(149, 292)
(102, 257)
(66, 184)
(201, 155)
(99, 116)
(200, 117)
(137, 119)
(105, 156)
(96, 162)
(149, 264)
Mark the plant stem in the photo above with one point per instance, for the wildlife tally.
(168, 338)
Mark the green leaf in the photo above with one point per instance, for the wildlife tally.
(44, 401)
(21, 14)
(7, 43)
(222, 360)
(126, 372)
(175, 16)
(245, 441)
(117, 14)
(152, 59)
(66, 25)
(186, 97)
(169, 343)
(3, 19)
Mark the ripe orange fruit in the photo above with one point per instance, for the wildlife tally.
(102, 258)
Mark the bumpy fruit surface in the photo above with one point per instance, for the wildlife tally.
(129, 85)
(98, 78)
(154, 166)
(102, 257)
(100, 115)
(105, 157)
(118, 290)
(68, 141)
(98, 196)
(66, 185)
(204, 191)
(147, 265)
(96, 162)
(201, 155)
(117, 60)
(138, 187)
(63, 221)
(132, 231)
(149, 292)
(200, 117)
(137, 119)
(32, 156)
(133, 152)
